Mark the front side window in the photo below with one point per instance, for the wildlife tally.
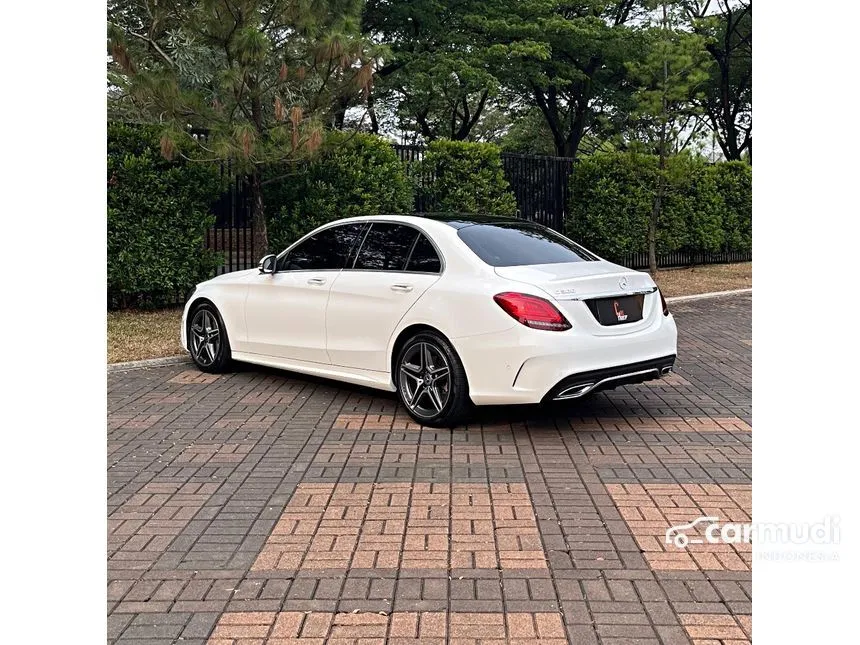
(386, 247)
(325, 250)
(520, 243)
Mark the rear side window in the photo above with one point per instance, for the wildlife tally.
(520, 243)
(424, 258)
(386, 247)
(327, 249)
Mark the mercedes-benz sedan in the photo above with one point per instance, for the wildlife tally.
(447, 311)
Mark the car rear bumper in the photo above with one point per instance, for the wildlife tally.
(522, 365)
(576, 386)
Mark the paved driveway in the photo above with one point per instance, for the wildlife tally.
(263, 505)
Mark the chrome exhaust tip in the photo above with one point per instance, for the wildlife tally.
(574, 392)
(666, 370)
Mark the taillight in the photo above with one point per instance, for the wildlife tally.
(663, 302)
(532, 311)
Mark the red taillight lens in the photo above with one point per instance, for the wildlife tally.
(532, 311)
(665, 306)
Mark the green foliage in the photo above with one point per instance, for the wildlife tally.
(157, 218)
(566, 59)
(610, 202)
(435, 80)
(467, 177)
(727, 95)
(261, 77)
(707, 208)
(733, 181)
(671, 74)
(354, 174)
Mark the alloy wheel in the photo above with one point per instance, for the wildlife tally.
(205, 337)
(425, 380)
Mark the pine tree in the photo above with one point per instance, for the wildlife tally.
(260, 77)
(670, 76)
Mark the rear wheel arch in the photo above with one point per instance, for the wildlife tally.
(442, 374)
(404, 335)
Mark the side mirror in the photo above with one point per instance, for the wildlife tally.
(268, 264)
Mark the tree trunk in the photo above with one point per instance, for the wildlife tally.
(652, 224)
(661, 167)
(260, 241)
(371, 110)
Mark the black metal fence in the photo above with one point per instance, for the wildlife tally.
(232, 234)
(540, 184)
(678, 259)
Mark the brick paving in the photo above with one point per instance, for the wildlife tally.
(266, 507)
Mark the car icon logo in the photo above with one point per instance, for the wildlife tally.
(623, 282)
(676, 534)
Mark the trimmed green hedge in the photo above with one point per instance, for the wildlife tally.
(354, 174)
(707, 207)
(157, 218)
(466, 177)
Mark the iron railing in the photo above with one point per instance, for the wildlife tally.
(678, 259)
(539, 184)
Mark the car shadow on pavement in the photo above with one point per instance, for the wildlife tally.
(595, 406)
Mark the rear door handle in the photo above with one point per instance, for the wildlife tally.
(316, 281)
(401, 287)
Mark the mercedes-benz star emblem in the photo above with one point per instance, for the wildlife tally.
(623, 282)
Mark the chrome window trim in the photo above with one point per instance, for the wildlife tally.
(310, 234)
(367, 223)
(408, 225)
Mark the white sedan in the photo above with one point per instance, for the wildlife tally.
(447, 311)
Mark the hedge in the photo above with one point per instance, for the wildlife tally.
(157, 218)
(466, 177)
(354, 174)
(707, 207)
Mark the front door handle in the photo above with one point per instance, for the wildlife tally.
(316, 281)
(406, 288)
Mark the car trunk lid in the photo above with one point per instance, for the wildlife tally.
(580, 280)
(603, 297)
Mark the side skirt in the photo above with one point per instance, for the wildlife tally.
(377, 380)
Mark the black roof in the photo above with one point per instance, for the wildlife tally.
(459, 220)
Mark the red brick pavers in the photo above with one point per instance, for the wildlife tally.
(424, 628)
(650, 509)
(405, 526)
(259, 506)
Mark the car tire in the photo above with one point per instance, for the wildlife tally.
(431, 395)
(208, 343)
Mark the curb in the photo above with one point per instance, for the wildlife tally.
(149, 362)
(179, 360)
(713, 294)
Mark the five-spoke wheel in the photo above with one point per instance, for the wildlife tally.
(431, 380)
(207, 339)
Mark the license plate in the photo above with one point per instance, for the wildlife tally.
(617, 311)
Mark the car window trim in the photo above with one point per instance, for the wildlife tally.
(364, 239)
(307, 236)
(408, 225)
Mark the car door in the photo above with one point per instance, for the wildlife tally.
(394, 266)
(285, 310)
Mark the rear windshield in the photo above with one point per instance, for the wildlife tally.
(520, 243)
